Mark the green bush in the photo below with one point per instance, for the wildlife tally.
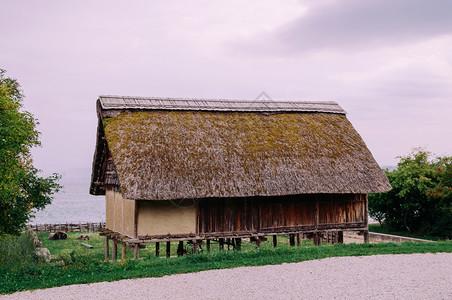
(421, 197)
(17, 250)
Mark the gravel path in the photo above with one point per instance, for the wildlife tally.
(414, 276)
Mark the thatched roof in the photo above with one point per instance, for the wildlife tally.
(164, 149)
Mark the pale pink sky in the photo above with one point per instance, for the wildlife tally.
(388, 63)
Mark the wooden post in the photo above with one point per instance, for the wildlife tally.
(157, 249)
(298, 239)
(168, 249)
(208, 245)
(292, 239)
(340, 237)
(123, 251)
(221, 244)
(136, 251)
(316, 238)
(366, 236)
(107, 248)
(238, 243)
(195, 246)
(275, 241)
(114, 251)
(180, 248)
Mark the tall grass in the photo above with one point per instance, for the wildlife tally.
(17, 250)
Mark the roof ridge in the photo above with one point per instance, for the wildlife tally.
(162, 103)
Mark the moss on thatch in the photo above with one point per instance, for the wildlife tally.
(163, 155)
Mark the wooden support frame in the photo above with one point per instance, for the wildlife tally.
(275, 241)
(208, 245)
(221, 244)
(168, 249)
(298, 236)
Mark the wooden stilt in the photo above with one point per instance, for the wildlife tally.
(123, 251)
(238, 244)
(157, 249)
(136, 251)
(168, 249)
(316, 238)
(221, 244)
(208, 245)
(340, 237)
(107, 248)
(298, 239)
(180, 248)
(195, 246)
(275, 241)
(292, 239)
(366, 236)
(114, 252)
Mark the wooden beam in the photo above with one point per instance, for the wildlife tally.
(275, 241)
(208, 245)
(114, 252)
(195, 246)
(123, 251)
(298, 235)
(157, 249)
(168, 249)
(107, 248)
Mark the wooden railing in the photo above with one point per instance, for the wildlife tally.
(88, 226)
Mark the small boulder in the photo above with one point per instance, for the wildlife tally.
(59, 235)
(84, 237)
(43, 254)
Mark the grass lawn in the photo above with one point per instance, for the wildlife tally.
(75, 264)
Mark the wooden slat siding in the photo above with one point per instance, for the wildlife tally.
(281, 214)
(341, 209)
(286, 212)
(228, 215)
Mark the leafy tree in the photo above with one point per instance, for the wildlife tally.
(21, 189)
(421, 196)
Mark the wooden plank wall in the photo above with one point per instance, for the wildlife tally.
(281, 214)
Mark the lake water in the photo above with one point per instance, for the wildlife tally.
(73, 203)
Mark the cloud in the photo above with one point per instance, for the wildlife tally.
(345, 25)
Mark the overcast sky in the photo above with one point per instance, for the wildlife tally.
(388, 63)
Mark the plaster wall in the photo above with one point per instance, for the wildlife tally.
(120, 213)
(164, 217)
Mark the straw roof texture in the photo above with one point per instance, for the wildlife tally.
(168, 154)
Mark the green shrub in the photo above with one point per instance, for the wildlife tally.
(17, 250)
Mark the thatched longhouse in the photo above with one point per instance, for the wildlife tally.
(185, 169)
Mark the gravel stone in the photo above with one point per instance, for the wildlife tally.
(413, 276)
